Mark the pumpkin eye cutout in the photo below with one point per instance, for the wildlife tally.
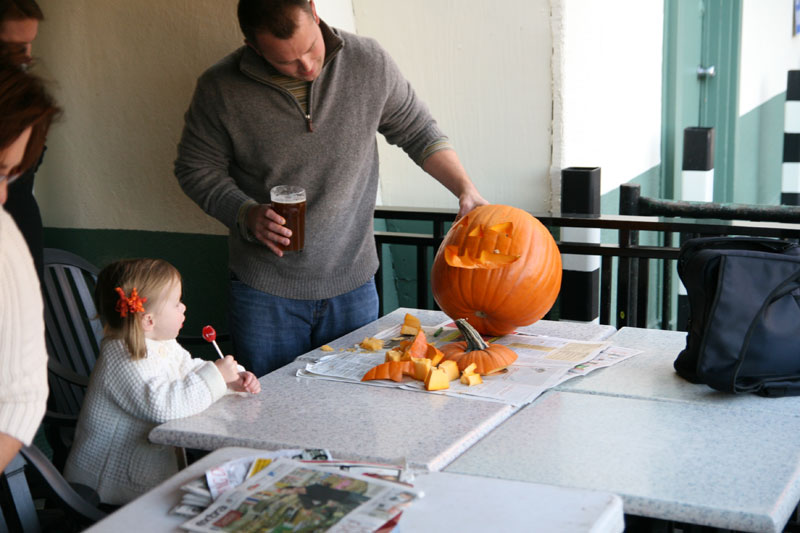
(480, 247)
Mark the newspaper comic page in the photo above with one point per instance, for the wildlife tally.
(289, 495)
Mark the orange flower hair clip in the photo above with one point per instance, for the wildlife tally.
(126, 305)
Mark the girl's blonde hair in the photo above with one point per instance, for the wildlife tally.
(151, 278)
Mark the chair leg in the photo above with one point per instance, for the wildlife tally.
(3, 524)
(180, 453)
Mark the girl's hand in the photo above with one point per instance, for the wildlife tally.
(247, 382)
(227, 367)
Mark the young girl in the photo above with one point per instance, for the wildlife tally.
(142, 378)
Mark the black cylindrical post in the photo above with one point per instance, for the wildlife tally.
(697, 185)
(580, 285)
(697, 177)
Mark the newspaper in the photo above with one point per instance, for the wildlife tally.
(200, 492)
(542, 363)
(289, 495)
(610, 356)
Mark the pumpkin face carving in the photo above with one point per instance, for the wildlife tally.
(499, 268)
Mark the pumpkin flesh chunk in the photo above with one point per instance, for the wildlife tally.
(394, 370)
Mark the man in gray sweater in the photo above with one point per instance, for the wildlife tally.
(300, 104)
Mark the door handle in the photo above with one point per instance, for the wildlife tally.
(706, 72)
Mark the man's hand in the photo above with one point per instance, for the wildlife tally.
(267, 227)
(469, 201)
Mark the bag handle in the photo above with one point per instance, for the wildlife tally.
(754, 244)
(787, 383)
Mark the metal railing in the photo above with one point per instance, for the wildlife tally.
(625, 265)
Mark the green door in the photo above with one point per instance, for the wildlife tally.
(700, 86)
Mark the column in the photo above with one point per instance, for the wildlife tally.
(580, 284)
(790, 178)
(697, 185)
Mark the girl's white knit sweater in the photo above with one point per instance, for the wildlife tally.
(126, 399)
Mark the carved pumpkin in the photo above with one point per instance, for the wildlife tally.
(488, 358)
(499, 268)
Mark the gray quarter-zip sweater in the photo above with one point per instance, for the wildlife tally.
(245, 134)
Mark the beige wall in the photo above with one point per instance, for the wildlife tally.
(522, 91)
(124, 72)
(485, 74)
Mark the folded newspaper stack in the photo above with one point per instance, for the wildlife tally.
(199, 493)
(290, 495)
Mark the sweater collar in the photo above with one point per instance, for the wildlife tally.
(255, 66)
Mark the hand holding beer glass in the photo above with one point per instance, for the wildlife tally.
(289, 201)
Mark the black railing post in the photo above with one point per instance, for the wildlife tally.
(580, 284)
(628, 270)
(666, 285)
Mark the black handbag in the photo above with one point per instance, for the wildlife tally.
(744, 314)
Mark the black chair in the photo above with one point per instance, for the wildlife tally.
(73, 333)
(35, 497)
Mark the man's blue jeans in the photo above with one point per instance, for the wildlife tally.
(268, 331)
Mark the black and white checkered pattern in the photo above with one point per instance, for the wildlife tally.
(790, 175)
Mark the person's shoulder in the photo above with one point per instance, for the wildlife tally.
(9, 233)
(362, 44)
(224, 68)
(114, 351)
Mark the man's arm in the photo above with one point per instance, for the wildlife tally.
(445, 166)
(9, 446)
(202, 168)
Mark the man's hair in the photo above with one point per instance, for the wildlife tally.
(24, 103)
(19, 10)
(272, 16)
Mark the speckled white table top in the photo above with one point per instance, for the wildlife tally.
(727, 468)
(672, 449)
(514, 505)
(354, 421)
(651, 375)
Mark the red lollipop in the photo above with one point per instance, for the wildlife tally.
(210, 335)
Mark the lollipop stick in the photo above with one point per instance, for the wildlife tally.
(218, 350)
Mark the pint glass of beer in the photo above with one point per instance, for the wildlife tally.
(289, 202)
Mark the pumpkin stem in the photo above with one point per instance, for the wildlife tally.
(474, 340)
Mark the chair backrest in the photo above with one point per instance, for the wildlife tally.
(73, 333)
(31, 476)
